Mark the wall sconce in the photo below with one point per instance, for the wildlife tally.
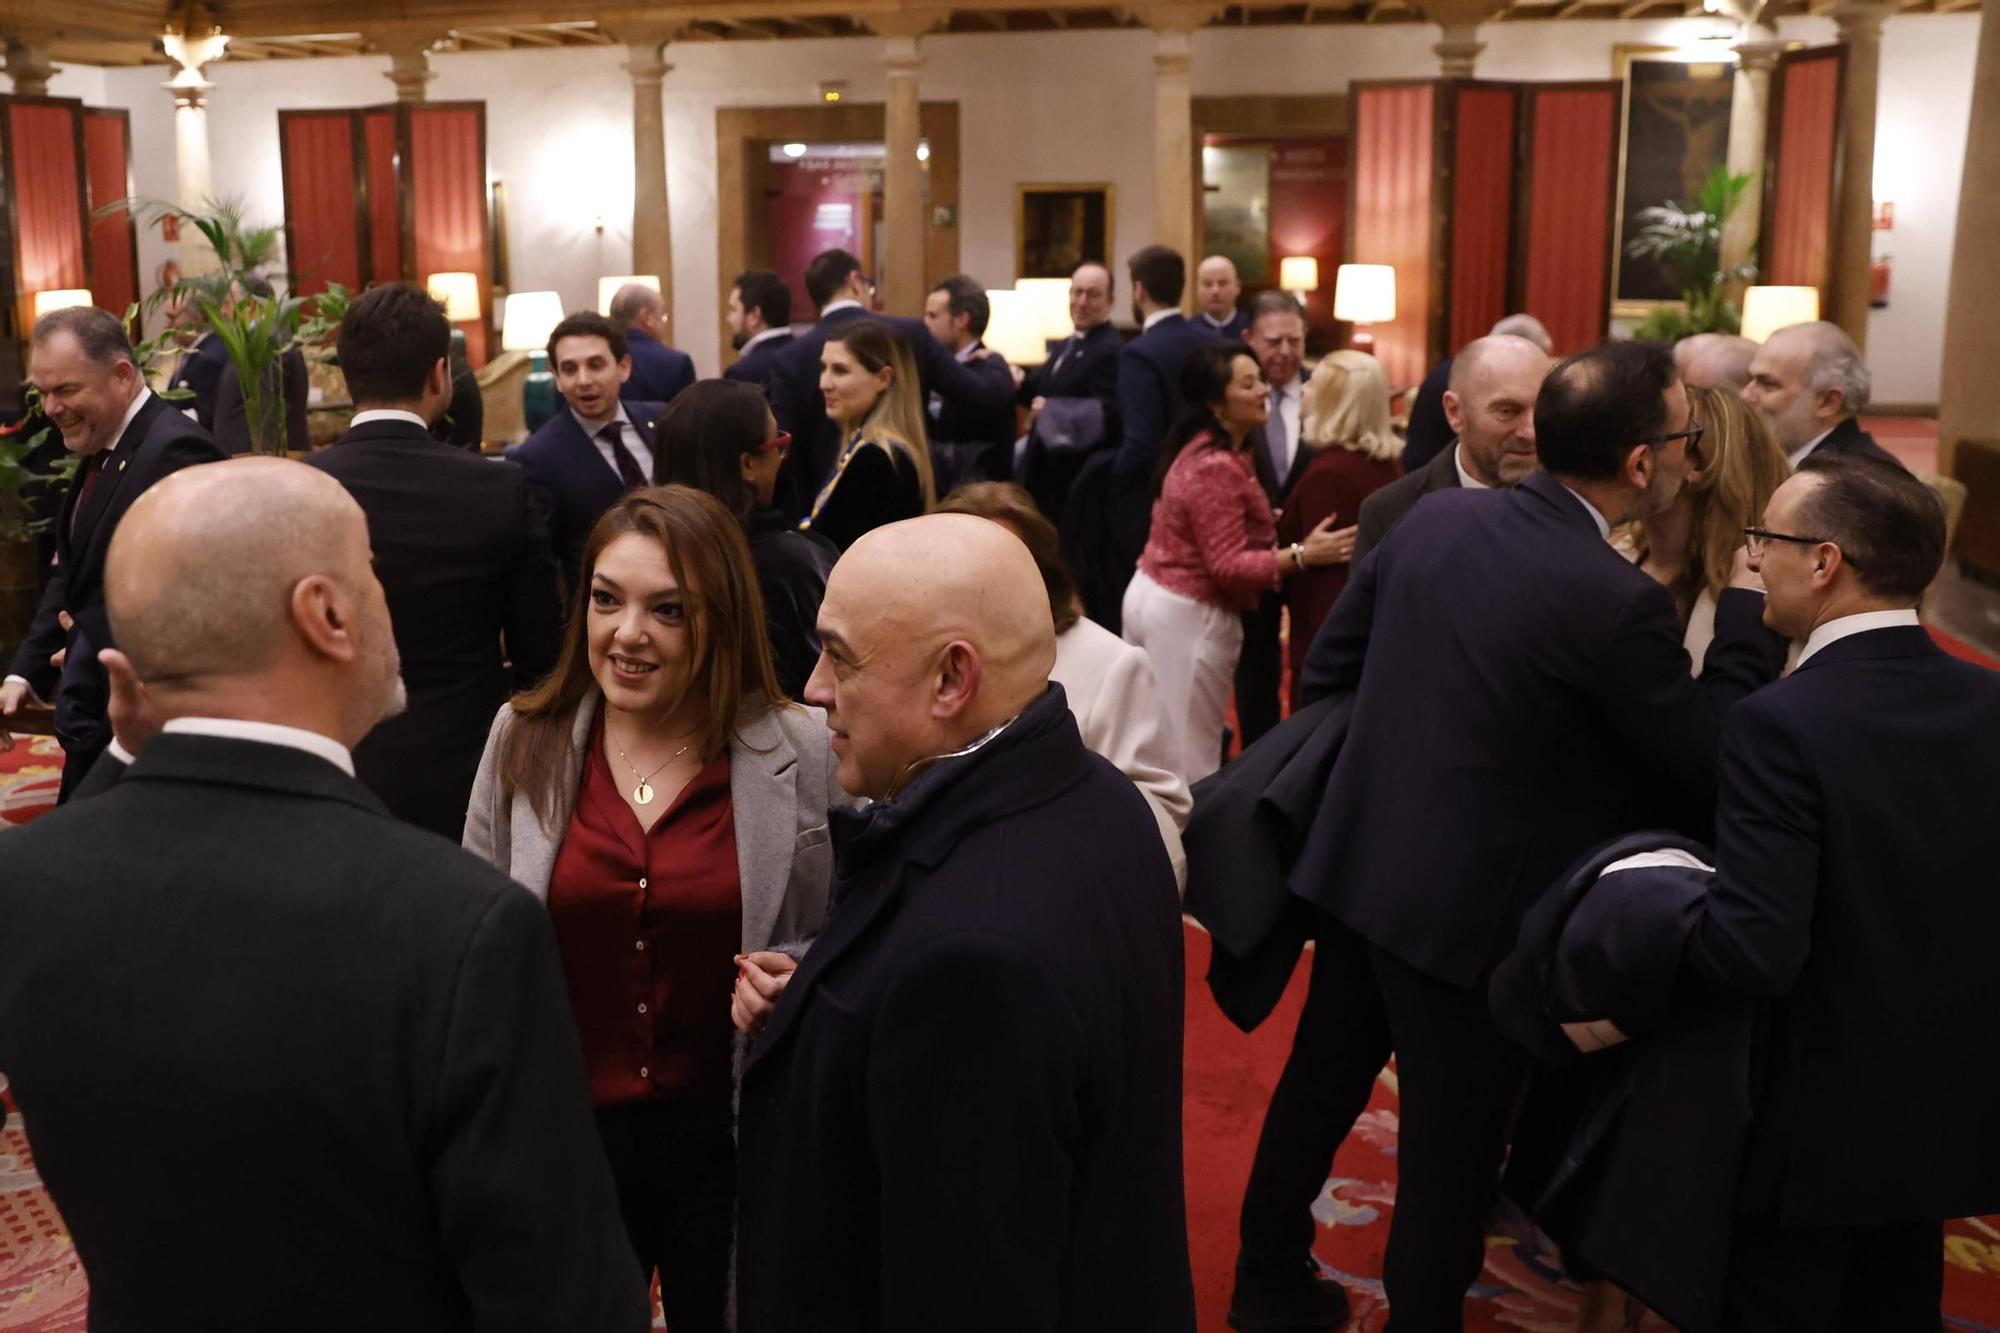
(1364, 294)
(1768, 309)
(608, 288)
(458, 293)
(833, 91)
(61, 299)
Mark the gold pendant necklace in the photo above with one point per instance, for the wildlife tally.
(643, 793)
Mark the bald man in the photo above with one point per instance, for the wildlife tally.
(1216, 292)
(965, 1111)
(1719, 361)
(658, 371)
(286, 1061)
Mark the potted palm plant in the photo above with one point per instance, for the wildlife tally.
(20, 523)
(1685, 240)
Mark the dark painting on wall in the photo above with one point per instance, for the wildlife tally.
(1676, 133)
(1058, 227)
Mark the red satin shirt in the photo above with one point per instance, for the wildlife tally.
(648, 926)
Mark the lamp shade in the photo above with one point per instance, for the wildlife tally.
(1049, 299)
(1013, 328)
(1300, 273)
(1768, 309)
(608, 287)
(1365, 293)
(529, 320)
(61, 299)
(458, 293)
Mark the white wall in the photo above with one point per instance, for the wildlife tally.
(1032, 107)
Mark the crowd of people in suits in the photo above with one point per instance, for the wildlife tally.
(1594, 745)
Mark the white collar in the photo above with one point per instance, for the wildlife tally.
(131, 411)
(591, 428)
(966, 352)
(1603, 528)
(1466, 479)
(266, 733)
(1292, 388)
(846, 303)
(1157, 316)
(388, 414)
(1860, 623)
(1799, 454)
(756, 338)
(1213, 322)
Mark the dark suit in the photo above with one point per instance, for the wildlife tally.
(800, 409)
(160, 440)
(759, 363)
(658, 371)
(232, 417)
(1430, 432)
(1385, 508)
(1081, 367)
(574, 484)
(960, 1116)
(1260, 667)
(290, 1064)
(463, 425)
(1855, 898)
(201, 372)
(464, 559)
(968, 443)
(1149, 401)
(1848, 440)
(1511, 668)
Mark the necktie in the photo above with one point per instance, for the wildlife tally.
(1070, 344)
(86, 479)
(1279, 437)
(628, 466)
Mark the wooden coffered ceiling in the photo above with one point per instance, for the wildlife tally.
(125, 32)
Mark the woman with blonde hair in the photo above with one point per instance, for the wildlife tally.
(1344, 420)
(669, 807)
(883, 473)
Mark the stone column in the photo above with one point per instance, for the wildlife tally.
(652, 230)
(195, 180)
(29, 65)
(1174, 183)
(902, 278)
(1860, 24)
(1969, 402)
(408, 50)
(1459, 51)
(1749, 120)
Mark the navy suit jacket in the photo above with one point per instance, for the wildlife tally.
(1089, 371)
(658, 371)
(1513, 669)
(993, 427)
(801, 410)
(757, 365)
(1149, 393)
(201, 371)
(1848, 440)
(1856, 849)
(573, 483)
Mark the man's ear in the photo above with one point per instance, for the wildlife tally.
(1639, 465)
(624, 368)
(323, 614)
(438, 382)
(956, 684)
(1454, 412)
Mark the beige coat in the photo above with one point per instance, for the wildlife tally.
(781, 784)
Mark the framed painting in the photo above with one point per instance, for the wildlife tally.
(1057, 227)
(1675, 131)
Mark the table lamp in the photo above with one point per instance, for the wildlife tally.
(458, 293)
(1768, 309)
(60, 299)
(525, 327)
(1364, 294)
(1299, 274)
(1013, 327)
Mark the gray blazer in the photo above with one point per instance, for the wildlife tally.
(781, 784)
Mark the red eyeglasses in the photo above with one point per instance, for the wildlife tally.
(780, 446)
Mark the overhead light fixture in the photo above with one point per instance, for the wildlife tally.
(458, 293)
(795, 150)
(923, 150)
(833, 91)
(608, 287)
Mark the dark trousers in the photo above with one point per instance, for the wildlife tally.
(1260, 670)
(675, 1167)
(1834, 1279)
(1459, 1078)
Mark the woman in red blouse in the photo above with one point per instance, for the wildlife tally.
(1211, 551)
(1344, 420)
(668, 804)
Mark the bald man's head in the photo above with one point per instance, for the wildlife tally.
(1491, 406)
(1719, 361)
(1216, 287)
(935, 631)
(252, 570)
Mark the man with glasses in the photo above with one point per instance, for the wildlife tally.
(1522, 695)
(1856, 848)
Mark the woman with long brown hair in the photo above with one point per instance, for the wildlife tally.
(883, 472)
(666, 802)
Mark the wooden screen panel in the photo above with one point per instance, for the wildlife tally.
(324, 241)
(1482, 210)
(385, 214)
(47, 195)
(1390, 188)
(1571, 172)
(114, 239)
(1802, 153)
(447, 182)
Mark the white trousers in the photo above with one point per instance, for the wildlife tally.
(1193, 649)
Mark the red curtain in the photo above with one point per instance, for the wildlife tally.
(114, 263)
(48, 189)
(448, 186)
(385, 226)
(1570, 178)
(1482, 210)
(1392, 160)
(320, 215)
(1798, 224)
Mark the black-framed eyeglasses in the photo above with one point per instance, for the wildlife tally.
(1692, 435)
(1759, 540)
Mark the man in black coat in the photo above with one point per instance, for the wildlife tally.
(82, 363)
(595, 448)
(965, 1112)
(233, 433)
(1511, 669)
(659, 372)
(459, 548)
(844, 293)
(760, 326)
(200, 373)
(1081, 370)
(1809, 380)
(1855, 900)
(286, 1062)
(1277, 334)
(967, 445)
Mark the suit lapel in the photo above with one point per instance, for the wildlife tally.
(592, 458)
(113, 468)
(762, 794)
(849, 922)
(1441, 473)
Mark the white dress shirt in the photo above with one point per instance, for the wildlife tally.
(390, 414)
(264, 733)
(1800, 454)
(1841, 626)
(627, 432)
(1466, 479)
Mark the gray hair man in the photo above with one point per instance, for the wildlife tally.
(658, 371)
(1719, 361)
(1809, 382)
